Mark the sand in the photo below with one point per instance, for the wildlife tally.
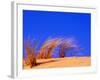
(62, 62)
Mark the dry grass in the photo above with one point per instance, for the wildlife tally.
(30, 60)
(46, 50)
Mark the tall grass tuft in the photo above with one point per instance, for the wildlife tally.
(67, 44)
(30, 59)
(47, 48)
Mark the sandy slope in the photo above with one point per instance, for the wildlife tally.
(63, 62)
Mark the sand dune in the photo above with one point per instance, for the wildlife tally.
(62, 62)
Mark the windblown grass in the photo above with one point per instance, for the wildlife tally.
(30, 60)
(46, 50)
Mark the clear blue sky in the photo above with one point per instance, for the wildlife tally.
(41, 25)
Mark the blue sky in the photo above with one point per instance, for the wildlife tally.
(41, 25)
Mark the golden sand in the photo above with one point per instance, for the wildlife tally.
(62, 62)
